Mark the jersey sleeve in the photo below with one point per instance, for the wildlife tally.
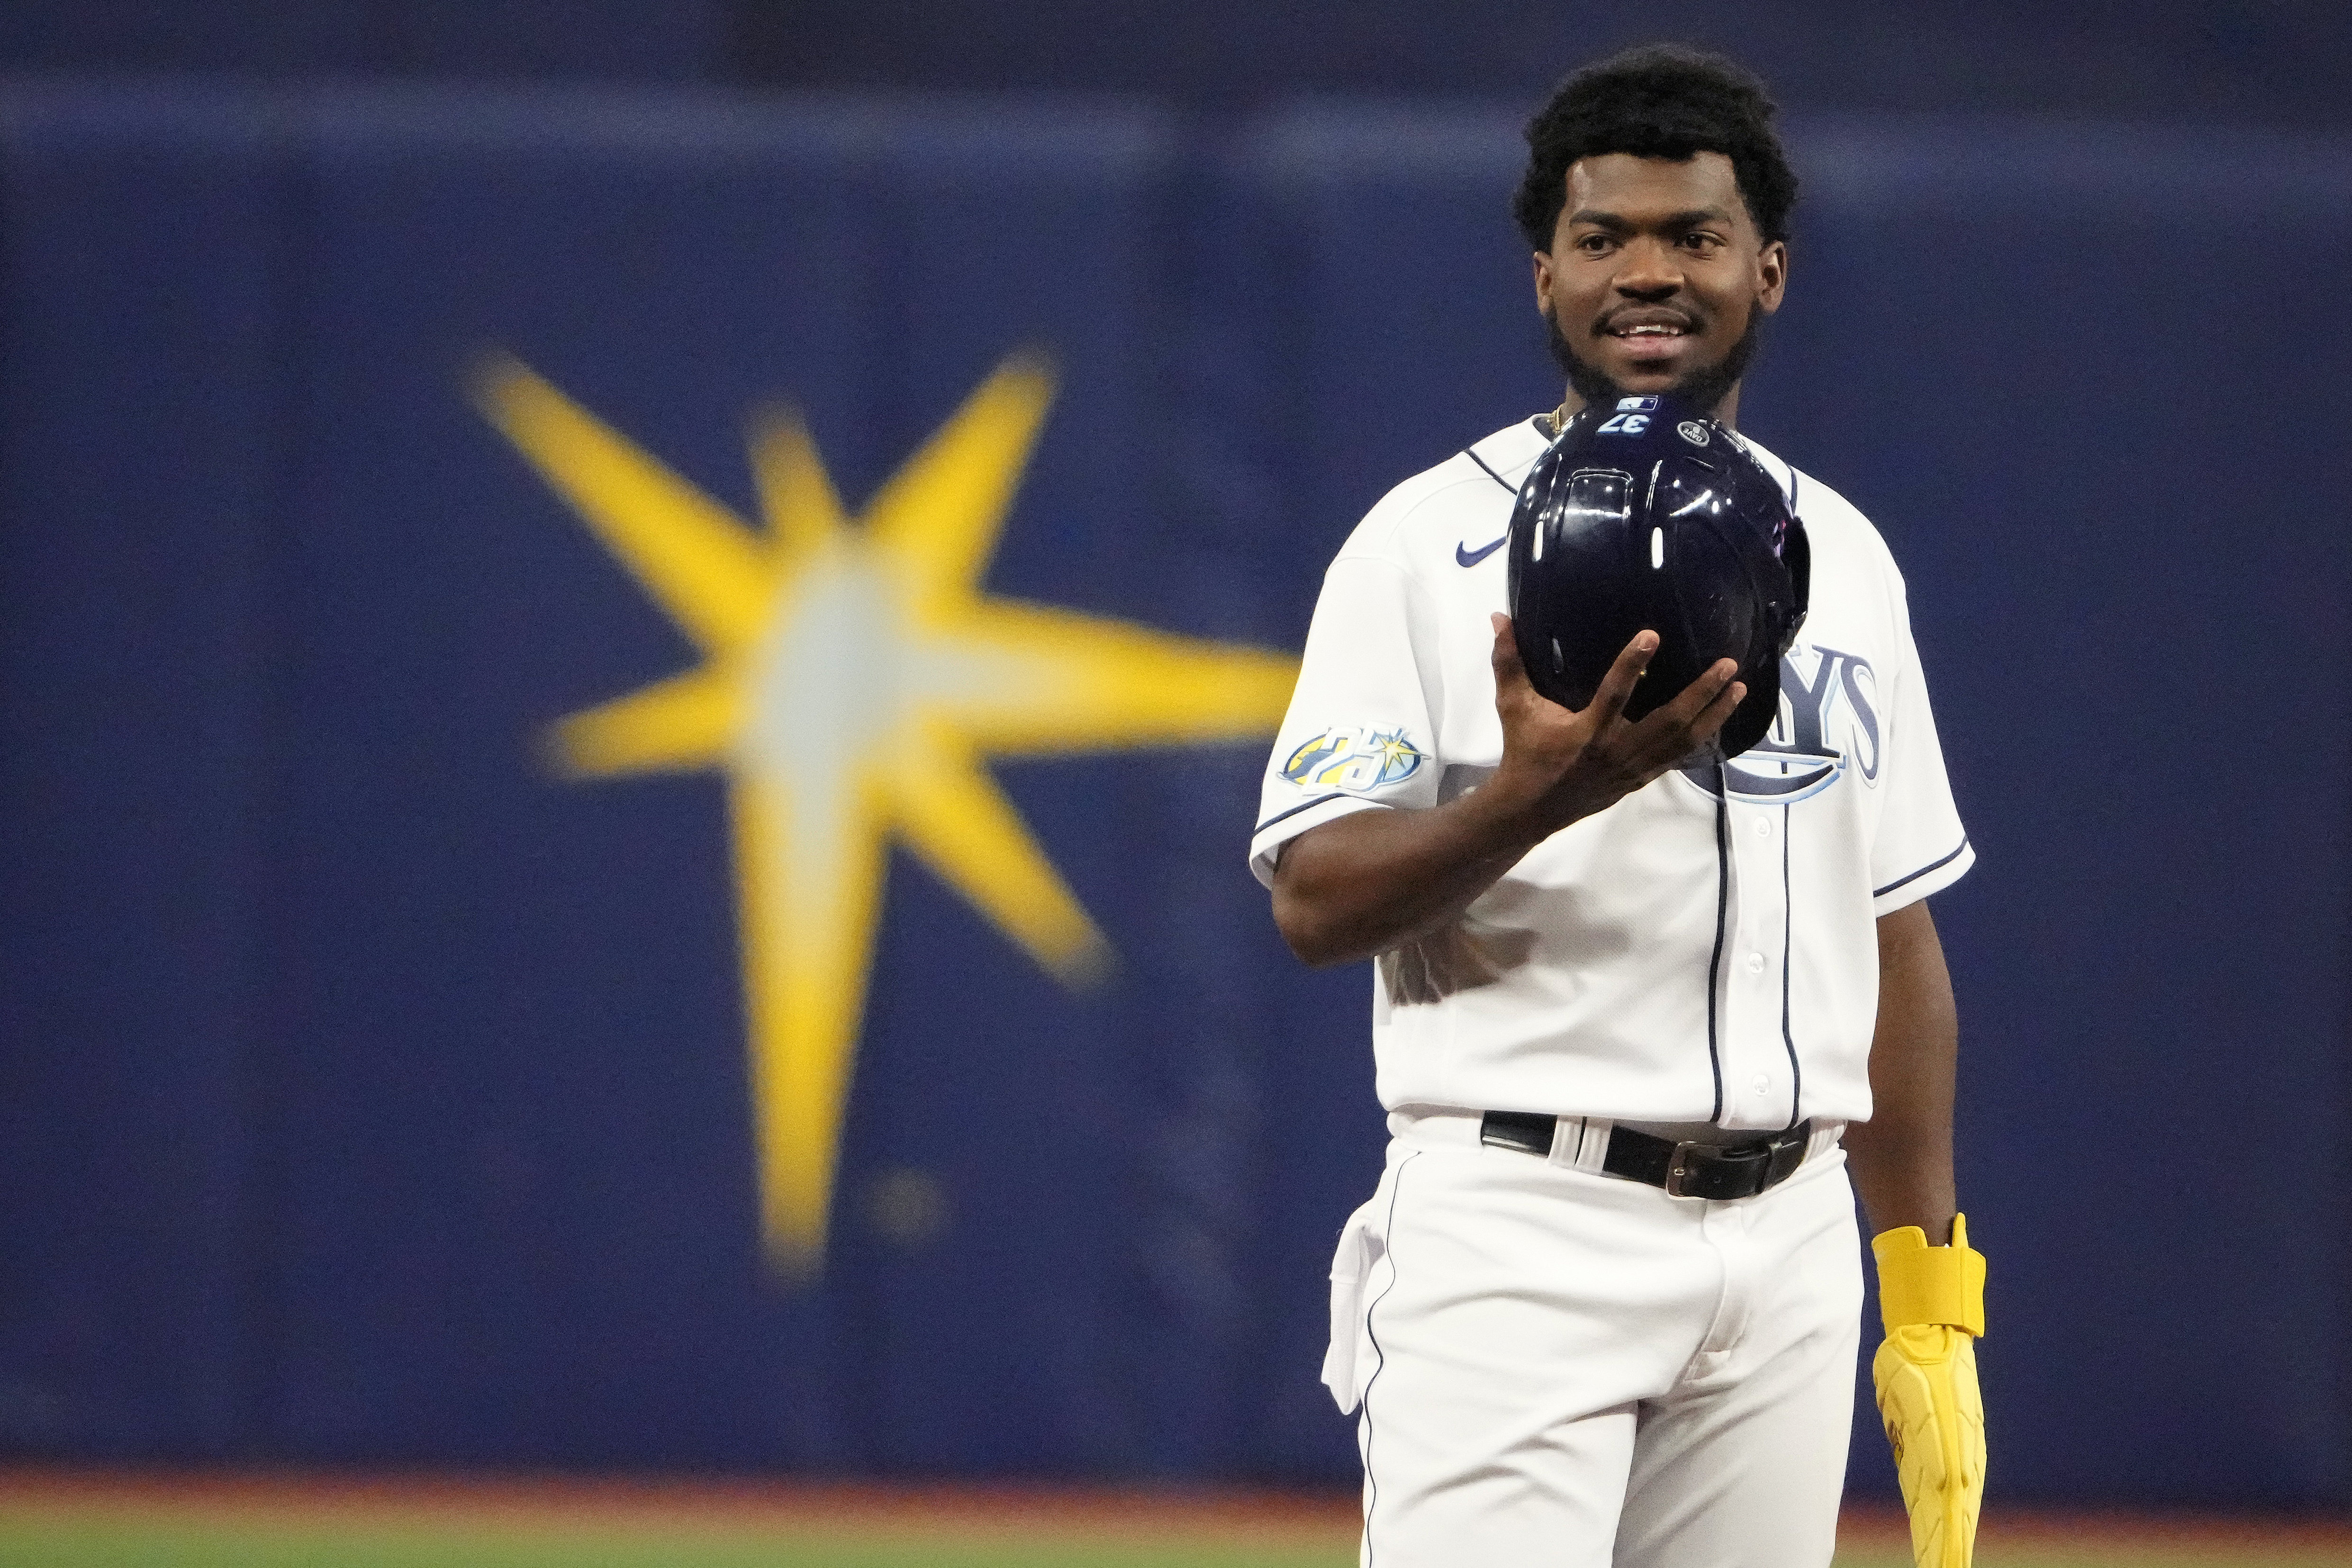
(1920, 847)
(1363, 719)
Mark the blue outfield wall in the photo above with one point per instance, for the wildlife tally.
(371, 1092)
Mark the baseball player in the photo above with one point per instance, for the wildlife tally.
(1635, 1022)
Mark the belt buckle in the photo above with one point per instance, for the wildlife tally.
(1755, 1158)
(1679, 1167)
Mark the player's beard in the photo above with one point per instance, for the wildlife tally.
(1705, 384)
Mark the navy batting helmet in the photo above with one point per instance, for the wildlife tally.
(1648, 514)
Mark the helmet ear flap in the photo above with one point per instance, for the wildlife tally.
(1797, 556)
(1775, 634)
(1752, 720)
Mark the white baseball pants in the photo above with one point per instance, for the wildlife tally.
(1559, 1369)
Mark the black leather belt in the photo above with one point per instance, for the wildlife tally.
(1722, 1171)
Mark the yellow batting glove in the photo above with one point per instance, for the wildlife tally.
(1932, 1298)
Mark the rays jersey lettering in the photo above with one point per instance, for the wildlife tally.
(1828, 723)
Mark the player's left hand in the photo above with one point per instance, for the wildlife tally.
(1932, 1298)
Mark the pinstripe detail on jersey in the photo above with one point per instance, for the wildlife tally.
(1722, 911)
(1931, 865)
(1490, 473)
(1380, 1356)
(1788, 952)
(1308, 805)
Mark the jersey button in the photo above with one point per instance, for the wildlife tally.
(1763, 827)
(1755, 964)
(1762, 1085)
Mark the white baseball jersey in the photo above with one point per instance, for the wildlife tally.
(1705, 950)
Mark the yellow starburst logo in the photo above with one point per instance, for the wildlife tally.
(854, 680)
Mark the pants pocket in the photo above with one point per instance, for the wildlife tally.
(1345, 1361)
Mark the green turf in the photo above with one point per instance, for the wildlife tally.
(81, 1542)
(2091, 1555)
(85, 1545)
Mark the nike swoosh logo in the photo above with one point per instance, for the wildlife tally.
(1463, 557)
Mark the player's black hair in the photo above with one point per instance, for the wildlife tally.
(1659, 100)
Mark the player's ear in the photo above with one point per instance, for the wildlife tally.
(1771, 275)
(1543, 281)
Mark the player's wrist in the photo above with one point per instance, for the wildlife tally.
(1515, 809)
(1924, 1285)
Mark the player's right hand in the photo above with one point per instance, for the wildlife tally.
(1567, 764)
